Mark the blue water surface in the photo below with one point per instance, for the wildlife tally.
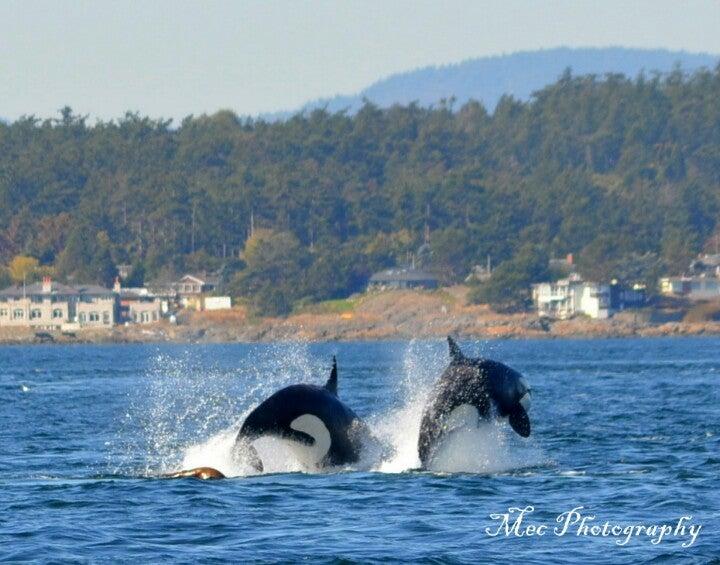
(628, 429)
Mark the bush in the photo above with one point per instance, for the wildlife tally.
(509, 287)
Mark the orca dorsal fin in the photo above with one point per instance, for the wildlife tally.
(455, 354)
(331, 384)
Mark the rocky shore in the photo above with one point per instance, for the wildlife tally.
(388, 315)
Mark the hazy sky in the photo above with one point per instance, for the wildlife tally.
(174, 58)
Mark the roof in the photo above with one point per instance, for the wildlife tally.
(202, 278)
(134, 292)
(94, 290)
(403, 275)
(710, 260)
(36, 289)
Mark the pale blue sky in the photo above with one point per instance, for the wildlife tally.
(171, 59)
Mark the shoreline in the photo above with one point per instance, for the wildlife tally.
(392, 315)
(113, 339)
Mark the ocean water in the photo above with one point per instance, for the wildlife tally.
(626, 429)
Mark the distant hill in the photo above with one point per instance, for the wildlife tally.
(520, 74)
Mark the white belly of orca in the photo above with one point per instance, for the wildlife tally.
(311, 455)
(465, 416)
(468, 444)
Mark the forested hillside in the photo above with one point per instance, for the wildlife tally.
(625, 173)
(487, 79)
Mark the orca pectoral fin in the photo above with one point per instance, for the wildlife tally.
(254, 459)
(519, 421)
(300, 437)
(247, 451)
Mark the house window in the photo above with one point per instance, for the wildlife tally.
(18, 314)
(57, 313)
(81, 317)
(106, 317)
(35, 314)
(3, 313)
(144, 317)
(94, 317)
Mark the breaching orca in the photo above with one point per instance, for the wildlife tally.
(470, 390)
(311, 415)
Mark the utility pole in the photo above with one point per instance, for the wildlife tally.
(427, 223)
(192, 230)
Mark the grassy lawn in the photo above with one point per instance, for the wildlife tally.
(338, 306)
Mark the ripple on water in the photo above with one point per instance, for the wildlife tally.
(613, 432)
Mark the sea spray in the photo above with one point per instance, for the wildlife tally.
(398, 427)
(485, 449)
(219, 452)
(189, 406)
(190, 410)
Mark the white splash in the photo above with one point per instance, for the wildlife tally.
(485, 449)
(277, 455)
(399, 429)
(183, 428)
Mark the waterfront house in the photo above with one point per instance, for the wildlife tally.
(706, 265)
(139, 305)
(623, 297)
(571, 296)
(568, 297)
(50, 305)
(191, 287)
(693, 288)
(402, 278)
(194, 284)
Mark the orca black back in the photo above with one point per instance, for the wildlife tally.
(277, 415)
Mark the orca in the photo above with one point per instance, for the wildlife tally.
(308, 415)
(468, 391)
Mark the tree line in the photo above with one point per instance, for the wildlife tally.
(622, 172)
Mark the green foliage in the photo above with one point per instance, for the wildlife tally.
(607, 168)
(275, 273)
(5, 278)
(509, 287)
(137, 276)
(88, 259)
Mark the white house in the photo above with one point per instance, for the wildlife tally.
(567, 297)
(694, 288)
